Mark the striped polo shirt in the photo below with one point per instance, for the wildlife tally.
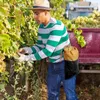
(52, 38)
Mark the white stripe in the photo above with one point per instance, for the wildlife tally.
(59, 60)
(65, 34)
(44, 41)
(43, 31)
(42, 46)
(59, 47)
(36, 48)
(48, 30)
(50, 48)
(55, 57)
(55, 38)
(30, 57)
(53, 20)
(39, 38)
(42, 54)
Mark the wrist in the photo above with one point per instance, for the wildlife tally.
(28, 50)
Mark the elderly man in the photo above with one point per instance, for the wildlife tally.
(52, 38)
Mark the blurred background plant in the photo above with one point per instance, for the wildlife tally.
(17, 29)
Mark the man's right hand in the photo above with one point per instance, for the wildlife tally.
(22, 51)
(25, 50)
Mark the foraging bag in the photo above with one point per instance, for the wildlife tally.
(71, 55)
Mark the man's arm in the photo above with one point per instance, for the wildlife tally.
(52, 43)
(36, 48)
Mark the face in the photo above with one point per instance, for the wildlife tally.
(39, 16)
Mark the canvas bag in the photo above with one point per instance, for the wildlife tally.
(71, 55)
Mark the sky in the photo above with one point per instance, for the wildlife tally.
(95, 1)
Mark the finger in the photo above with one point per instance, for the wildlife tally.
(20, 54)
(21, 51)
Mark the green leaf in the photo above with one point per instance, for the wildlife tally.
(4, 12)
(7, 24)
(1, 25)
(2, 86)
(83, 44)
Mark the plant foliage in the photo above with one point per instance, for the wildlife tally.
(18, 29)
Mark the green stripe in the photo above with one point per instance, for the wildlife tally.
(56, 53)
(39, 42)
(37, 56)
(58, 32)
(52, 43)
(41, 26)
(46, 52)
(59, 22)
(33, 49)
(50, 25)
(53, 32)
(52, 60)
(39, 47)
(64, 39)
(44, 36)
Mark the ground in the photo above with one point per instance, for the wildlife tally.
(88, 88)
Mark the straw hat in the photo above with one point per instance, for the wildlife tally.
(41, 4)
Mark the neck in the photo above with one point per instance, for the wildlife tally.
(47, 20)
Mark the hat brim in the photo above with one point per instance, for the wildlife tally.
(39, 8)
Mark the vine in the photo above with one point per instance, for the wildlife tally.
(18, 29)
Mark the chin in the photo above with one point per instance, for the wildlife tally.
(39, 22)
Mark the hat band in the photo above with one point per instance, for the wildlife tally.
(41, 7)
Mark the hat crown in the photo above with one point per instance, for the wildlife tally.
(42, 3)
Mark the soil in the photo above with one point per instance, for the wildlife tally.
(87, 88)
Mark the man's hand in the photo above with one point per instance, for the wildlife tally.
(22, 51)
(25, 50)
(22, 57)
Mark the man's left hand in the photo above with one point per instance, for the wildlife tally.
(22, 58)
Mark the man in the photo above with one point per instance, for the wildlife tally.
(52, 38)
